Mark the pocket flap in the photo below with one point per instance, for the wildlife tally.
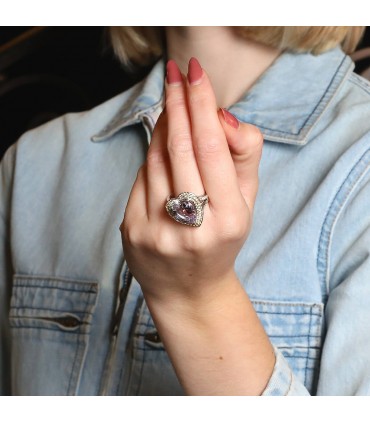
(291, 324)
(49, 302)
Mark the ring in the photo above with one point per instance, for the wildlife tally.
(187, 208)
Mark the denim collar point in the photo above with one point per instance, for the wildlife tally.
(283, 115)
(144, 98)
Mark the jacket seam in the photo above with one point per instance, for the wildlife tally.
(360, 82)
(330, 91)
(80, 350)
(290, 313)
(35, 278)
(288, 304)
(357, 172)
(65, 333)
(132, 118)
(290, 382)
(49, 309)
(319, 107)
(140, 381)
(308, 348)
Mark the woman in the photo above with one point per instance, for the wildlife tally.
(277, 307)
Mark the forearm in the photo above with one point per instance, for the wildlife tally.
(216, 342)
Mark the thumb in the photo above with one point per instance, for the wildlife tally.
(245, 144)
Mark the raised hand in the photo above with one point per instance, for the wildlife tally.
(189, 152)
(205, 319)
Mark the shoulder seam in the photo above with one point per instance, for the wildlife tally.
(340, 200)
(360, 82)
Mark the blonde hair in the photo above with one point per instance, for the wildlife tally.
(143, 45)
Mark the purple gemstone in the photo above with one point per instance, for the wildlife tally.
(188, 207)
(184, 211)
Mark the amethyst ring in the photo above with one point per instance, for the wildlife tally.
(187, 208)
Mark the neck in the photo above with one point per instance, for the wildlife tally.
(232, 63)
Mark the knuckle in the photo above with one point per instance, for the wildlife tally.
(163, 245)
(255, 136)
(175, 101)
(155, 157)
(189, 244)
(132, 237)
(207, 145)
(203, 246)
(253, 140)
(180, 145)
(199, 99)
(197, 246)
(234, 229)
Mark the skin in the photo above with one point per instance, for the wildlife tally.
(232, 63)
(206, 321)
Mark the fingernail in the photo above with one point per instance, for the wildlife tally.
(173, 73)
(195, 71)
(230, 119)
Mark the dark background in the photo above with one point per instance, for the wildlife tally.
(48, 71)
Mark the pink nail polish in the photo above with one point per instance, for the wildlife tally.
(195, 71)
(173, 73)
(230, 119)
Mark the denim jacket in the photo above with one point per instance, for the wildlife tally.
(72, 318)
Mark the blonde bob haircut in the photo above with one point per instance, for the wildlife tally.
(143, 45)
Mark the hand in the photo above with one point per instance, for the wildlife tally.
(209, 327)
(189, 151)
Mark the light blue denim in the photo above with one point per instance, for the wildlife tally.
(73, 321)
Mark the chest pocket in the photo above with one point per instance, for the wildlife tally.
(294, 328)
(50, 323)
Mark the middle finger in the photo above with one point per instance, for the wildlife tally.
(212, 152)
(184, 168)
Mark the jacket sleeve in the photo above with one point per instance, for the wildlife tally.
(283, 382)
(6, 182)
(345, 359)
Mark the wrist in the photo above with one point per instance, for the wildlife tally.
(220, 339)
(197, 301)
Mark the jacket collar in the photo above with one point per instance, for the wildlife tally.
(285, 103)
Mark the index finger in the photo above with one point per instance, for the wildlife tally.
(212, 152)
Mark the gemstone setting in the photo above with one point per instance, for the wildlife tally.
(187, 208)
